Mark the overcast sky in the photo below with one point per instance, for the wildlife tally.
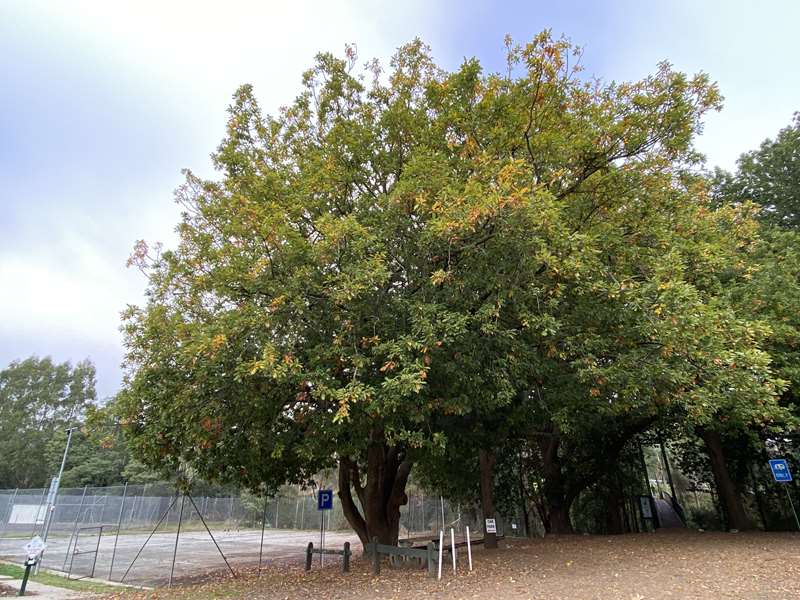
(103, 103)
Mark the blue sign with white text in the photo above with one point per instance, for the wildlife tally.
(325, 500)
(780, 470)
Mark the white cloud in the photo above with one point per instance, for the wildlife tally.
(112, 100)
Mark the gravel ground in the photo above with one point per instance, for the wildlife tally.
(7, 591)
(681, 565)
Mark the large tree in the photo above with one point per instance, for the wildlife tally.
(381, 255)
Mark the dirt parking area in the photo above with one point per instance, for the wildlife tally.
(752, 566)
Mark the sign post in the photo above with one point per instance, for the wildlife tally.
(33, 551)
(782, 474)
(324, 502)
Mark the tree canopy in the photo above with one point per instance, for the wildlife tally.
(398, 260)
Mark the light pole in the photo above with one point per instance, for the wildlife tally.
(54, 484)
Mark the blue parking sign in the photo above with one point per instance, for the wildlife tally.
(325, 500)
(780, 470)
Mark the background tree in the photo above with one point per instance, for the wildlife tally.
(98, 453)
(38, 400)
(769, 176)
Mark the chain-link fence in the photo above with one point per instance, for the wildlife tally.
(132, 532)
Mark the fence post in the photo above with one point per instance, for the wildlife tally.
(177, 538)
(119, 524)
(346, 559)
(38, 510)
(309, 555)
(161, 518)
(263, 524)
(376, 557)
(74, 528)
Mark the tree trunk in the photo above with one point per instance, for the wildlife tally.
(615, 524)
(523, 500)
(541, 510)
(728, 494)
(380, 496)
(487, 461)
(558, 503)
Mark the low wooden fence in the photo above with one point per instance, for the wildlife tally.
(345, 554)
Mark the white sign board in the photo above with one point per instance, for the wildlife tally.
(644, 502)
(22, 514)
(35, 547)
(491, 526)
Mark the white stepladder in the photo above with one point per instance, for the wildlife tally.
(469, 549)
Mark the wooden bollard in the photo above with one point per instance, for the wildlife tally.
(346, 558)
(309, 555)
(376, 557)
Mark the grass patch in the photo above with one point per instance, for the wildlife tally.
(78, 585)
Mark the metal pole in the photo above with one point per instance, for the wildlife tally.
(422, 507)
(51, 503)
(177, 538)
(794, 512)
(119, 524)
(263, 524)
(669, 471)
(441, 499)
(453, 547)
(203, 521)
(321, 537)
(410, 526)
(469, 549)
(97, 548)
(38, 511)
(441, 543)
(24, 584)
(74, 528)
(161, 518)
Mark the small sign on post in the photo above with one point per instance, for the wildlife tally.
(325, 500)
(780, 470)
(491, 526)
(782, 474)
(645, 507)
(33, 550)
